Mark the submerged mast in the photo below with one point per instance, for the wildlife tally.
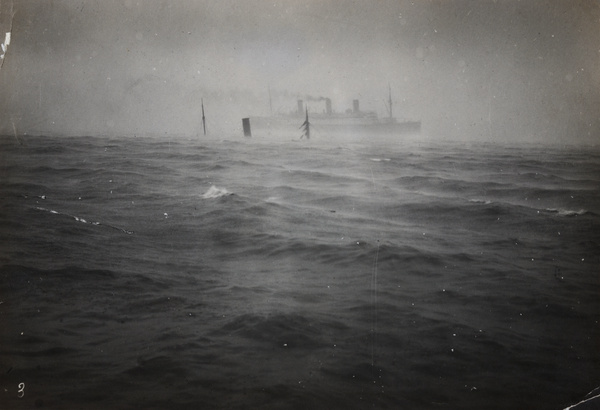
(306, 127)
(203, 117)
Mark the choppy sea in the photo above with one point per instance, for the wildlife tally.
(146, 273)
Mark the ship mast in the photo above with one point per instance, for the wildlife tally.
(203, 117)
(306, 127)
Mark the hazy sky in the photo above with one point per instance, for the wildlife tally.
(490, 70)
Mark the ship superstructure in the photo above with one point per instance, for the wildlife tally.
(328, 122)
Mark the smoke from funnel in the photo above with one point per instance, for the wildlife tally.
(312, 98)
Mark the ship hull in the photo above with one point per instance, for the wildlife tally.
(325, 126)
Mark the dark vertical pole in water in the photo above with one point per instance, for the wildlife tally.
(246, 125)
(203, 117)
(306, 127)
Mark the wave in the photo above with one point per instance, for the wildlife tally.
(480, 201)
(568, 212)
(280, 330)
(82, 220)
(558, 211)
(215, 192)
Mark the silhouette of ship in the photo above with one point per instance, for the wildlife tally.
(328, 122)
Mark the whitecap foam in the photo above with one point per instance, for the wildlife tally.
(566, 212)
(480, 201)
(82, 220)
(215, 192)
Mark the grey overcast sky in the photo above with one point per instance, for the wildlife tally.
(503, 70)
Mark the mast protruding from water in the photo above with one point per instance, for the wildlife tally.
(203, 117)
(306, 127)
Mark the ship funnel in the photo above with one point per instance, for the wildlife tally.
(328, 106)
(246, 126)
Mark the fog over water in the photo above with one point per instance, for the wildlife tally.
(369, 266)
(478, 70)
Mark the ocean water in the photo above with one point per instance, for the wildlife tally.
(144, 273)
